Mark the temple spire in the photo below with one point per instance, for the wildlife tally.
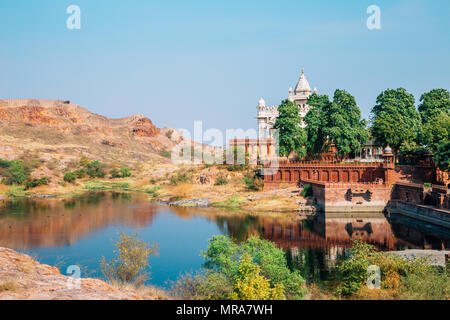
(303, 85)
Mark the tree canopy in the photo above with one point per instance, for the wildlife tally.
(338, 121)
(395, 119)
(442, 156)
(433, 103)
(292, 137)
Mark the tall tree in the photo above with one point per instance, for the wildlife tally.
(292, 136)
(345, 127)
(316, 120)
(435, 131)
(338, 121)
(433, 103)
(395, 119)
(442, 156)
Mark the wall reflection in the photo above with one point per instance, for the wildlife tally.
(27, 224)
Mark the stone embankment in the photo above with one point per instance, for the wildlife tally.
(22, 278)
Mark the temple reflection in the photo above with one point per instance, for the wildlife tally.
(27, 224)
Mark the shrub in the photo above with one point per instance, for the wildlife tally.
(223, 255)
(253, 182)
(169, 134)
(95, 169)
(165, 154)
(202, 286)
(180, 177)
(36, 182)
(397, 274)
(125, 172)
(14, 172)
(70, 177)
(221, 180)
(131, 261)
(114, 173)
(249, 284)
(434, 285)
(80, 173)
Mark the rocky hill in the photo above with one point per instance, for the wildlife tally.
(22, 278)
(60, 127)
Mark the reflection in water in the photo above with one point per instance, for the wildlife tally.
(313, 244)
(28, 223)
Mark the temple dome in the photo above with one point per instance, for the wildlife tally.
(303, 85)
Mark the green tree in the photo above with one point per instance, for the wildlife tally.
(394, 118)
(338, 121)
(345, 127)
(433, 103)
(435, 131)
(292, 137)
(442, 156)
(316, 120)
(223, 256)
(249, 284)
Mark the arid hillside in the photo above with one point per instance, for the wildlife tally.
(51, 127)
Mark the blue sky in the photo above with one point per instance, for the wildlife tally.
(180, 61)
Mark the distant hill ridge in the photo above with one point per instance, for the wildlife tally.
(62, 127)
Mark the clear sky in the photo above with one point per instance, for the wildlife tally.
(180, 61)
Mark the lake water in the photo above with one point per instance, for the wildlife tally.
(81, 230)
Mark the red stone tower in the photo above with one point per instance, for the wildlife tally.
(388, 165)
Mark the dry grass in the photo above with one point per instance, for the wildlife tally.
(9, 284)
(26, 267)
(183, 191)
(147, 292)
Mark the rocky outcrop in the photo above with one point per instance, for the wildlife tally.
(39, 124)
(22, 278)
(63, 128)
(198, 203)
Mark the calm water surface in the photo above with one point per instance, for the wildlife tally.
(82, 230)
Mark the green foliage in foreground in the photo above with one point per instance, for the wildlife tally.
(131, 261)
(224, 256)
(254, 270)
(400, 278)
(249, 284)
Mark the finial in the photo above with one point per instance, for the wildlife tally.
(261, 103)
(303, 70)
